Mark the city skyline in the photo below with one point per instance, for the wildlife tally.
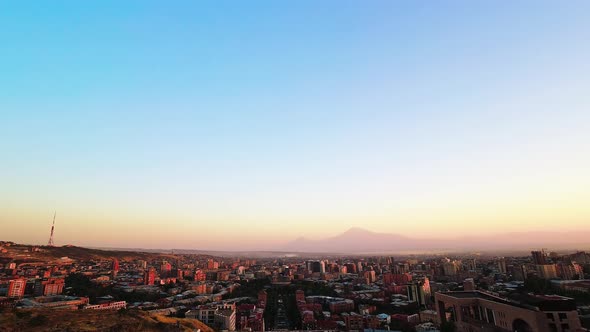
(197, 126)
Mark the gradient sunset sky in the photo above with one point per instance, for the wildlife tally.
(246, 124)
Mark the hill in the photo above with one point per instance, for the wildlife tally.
(94, 320)
(23, 253)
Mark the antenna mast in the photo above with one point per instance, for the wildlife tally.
(50, 243)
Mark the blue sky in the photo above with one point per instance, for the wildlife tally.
(254, 119)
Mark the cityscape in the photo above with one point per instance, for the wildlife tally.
(324, 166)
(464, 291)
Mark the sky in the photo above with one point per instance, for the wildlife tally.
(245, 124)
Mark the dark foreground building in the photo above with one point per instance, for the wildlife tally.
(478, 311)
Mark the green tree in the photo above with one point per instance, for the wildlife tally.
(448, 326)
(38, 320)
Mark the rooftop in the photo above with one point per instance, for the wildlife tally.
(527, 301)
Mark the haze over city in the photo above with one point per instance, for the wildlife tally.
(317, 166)
(247, 125)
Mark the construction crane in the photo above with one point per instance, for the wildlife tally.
(50, 243)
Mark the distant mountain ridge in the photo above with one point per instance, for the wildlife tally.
(353, 241)
(359, 240)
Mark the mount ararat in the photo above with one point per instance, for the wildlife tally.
(359, 240)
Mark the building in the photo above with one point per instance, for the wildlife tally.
(262, 298)
(539, 257)
(16, 288)
(547, 271)
(200, 275)
(142, 264)
(53, 286)
(150, 277)
(107, 306)
(220, 317)
(249, 317)
(212, 265)
(341, 305)
(502, 265)
(469, 264)
(225, 319)
(429, 316)
(398, 279)
(165, 269)
(469, 284)
(573, 285)
(419, 292)
(370, 276)
(570, 271)
(55, 302)
(480, 311)
(204, 313)
(450, 268)
(353, 321)
(299, 296)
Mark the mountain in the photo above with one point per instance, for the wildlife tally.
(356, 240)
(359, 240)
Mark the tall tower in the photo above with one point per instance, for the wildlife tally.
(50, 243)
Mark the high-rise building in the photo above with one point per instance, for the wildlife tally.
(470, 264)
(547, 271)
(351, 268)
(370, 276)
(539, 257)
(450, 268)
(212, 265)
(419, 292)
(502, 265)
(200, 275)
(322, 267)
(16, 288)
(165, 269)
(142, 264)
(150, 276)
(315, 266)
(570, 271)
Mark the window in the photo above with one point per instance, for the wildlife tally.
(562, 316)
(549, 316)
(490, 315)
(465, 313)
(477, 311)
(565, 327)
(552, 327)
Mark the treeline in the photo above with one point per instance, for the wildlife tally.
(78, 284)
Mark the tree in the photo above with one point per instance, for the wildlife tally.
(38, 320)
(537, 285)
(448, 326)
